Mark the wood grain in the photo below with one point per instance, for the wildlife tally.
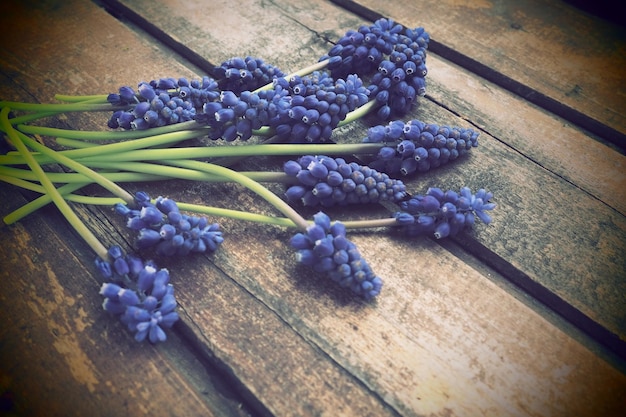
(442, 339)
(61, 354)
(571, 57)
(535, 203)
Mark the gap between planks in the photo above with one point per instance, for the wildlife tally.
(603, 131)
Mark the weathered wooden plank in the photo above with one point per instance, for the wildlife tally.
(546, 139)
(435, 340)
(306, 399)
(278, 300)
(536, 206)
(265, 280)
(388, 346)
(62, 355)
(571, 57)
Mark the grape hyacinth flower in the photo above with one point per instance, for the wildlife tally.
(235, 116)
(317, 104)
(161, 102)
(330, 181)
(302, 109)
(361, 51)
(396, 58)
(245, 74)
(442, 213)
(139, 293)
(170, 232)
(416, 146)
(325, 248)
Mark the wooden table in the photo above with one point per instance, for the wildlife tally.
(526, 316)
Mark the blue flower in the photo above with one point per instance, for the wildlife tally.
(151, 318)
(140, 294)
(163, 227)
(444, 213)
(415, 146)
(325, 248)
(330, 181)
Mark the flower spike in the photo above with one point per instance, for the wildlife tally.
(325, 248)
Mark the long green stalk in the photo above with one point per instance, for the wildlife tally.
(112, 148)
(58, 199)
(59, 108)
(113, 135)
(102, 98)
(62, 159)
(251, 150)
(39, 202)
(252, 185)
(75, 177)
(187, 174)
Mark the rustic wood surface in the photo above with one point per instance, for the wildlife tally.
(449, 335)
(507, 159)
(552, 52)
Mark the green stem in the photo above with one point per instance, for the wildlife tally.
(236, 214)
(141, 172)
(39, 202)
(72, 177)
(31, 117)
(61, 204)
(250, 150)
(59, 108)
(114, 135)
(252, 185)
(112, 148)
(74, 143)
(311, 68)
(62, 159)
(22, 183)
(187, 174)
(279, 221)
(358, 113)
(67, 189)
(78, 99)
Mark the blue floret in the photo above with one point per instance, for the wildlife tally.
(325, 248)
(163, 227)
(443, 214)
(139, 294)
(330, 181)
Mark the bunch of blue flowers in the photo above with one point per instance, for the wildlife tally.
(245, 97)
(325, 248)
(139, 293)
(161, 225)
(330, 181)
(444, 214)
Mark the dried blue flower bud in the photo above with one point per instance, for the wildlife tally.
(128, 297)
(166, 205)
(104, 268)
(127, 94)
(113, 306)
(442, 230)
(120, 266)
(146, 277)
(443, 213)
(147, 238)
(110, 290)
